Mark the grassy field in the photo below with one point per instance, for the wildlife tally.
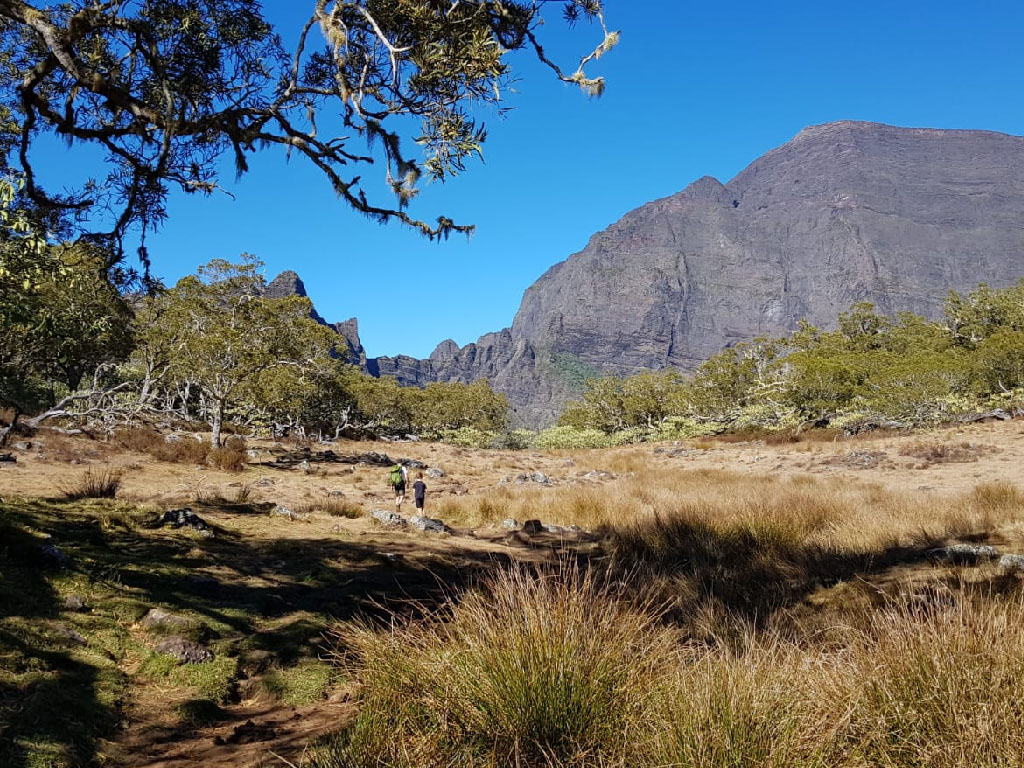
(727, 604)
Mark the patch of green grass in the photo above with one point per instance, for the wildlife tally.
(304, 683)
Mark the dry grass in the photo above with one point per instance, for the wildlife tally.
(230, 457)
(94, 484)
(947, 453)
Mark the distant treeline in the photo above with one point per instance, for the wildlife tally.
(82, 341)
(870, 370)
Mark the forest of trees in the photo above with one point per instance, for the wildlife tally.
(870, 371)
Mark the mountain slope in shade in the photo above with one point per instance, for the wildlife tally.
(844, 212)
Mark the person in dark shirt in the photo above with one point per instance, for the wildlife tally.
(419, 489)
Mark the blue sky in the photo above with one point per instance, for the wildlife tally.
(693, 89)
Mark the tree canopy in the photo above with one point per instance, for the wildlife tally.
(166, 88)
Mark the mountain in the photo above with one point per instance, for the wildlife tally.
(843, 212)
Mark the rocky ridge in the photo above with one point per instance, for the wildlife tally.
(843, 212)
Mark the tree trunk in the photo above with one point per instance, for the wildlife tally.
(218, 419)
(6, 432)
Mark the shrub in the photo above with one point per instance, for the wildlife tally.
(231, 456)
(568, 438)
(468, 437)
(94, 484)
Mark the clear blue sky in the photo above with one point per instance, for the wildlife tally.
(694, 88)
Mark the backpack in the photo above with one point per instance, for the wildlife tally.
(396, 476)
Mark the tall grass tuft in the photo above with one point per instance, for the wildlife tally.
(531, 669)
(94, 484)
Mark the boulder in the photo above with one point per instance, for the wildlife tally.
(421, 523)
(158, 618)
(8, 458)
(285, 512)
(511, 523)
(533, 527)
(75, 603)
(435, 472)
(964, 554)
(412, 464)
(184, 650)
(1011, 563)
(387, 517)
(186, 518)
(22, 445)
(304, 466)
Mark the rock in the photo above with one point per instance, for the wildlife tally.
(844, 212)
(568, 463)
(428, 524)
(184, 650)
(285, 512)
(533, 527)
(75, 603)
(22, 445)
(172, 438)
(335, 529)
(53, 557)
(540, 477)
(575, 529)
(185, 518)
(554, 529)
(158, 618)
(252, 453)
(372, 457)
(8, 458)
(70, 635)
(1011, 563)
(592, 475)
(435, 472)
(336, 494)
(505, 480)
(387, 517)
(412, 463)
(511, 523)
(964, 554)
(304, 466)
(263, 482)
(412, 438)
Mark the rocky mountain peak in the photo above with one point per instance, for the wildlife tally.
(287, 283)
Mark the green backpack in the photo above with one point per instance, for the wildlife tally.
(396, 476)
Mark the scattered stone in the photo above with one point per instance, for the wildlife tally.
(412, 463)
(285, 512)
(511, 523)
(158, 618)
(575, 529)
(337, 494)
(554, 529)
(75, 603)
(372, 457)
(387, 517)
(304, 466)
(533, 527)
(540, 477)
(53, 557)
(186, 518)
(569, 463)
(505, 480)
(184, 650)
(172, 438)
(71, 635)
(435, 472)
(263, 482)
(22, 445)
(428, 524)
(8, 458)
(252, 453)
(1011, 563)
(412, 438)
(592, 475)
(335, 529)
(964, 554)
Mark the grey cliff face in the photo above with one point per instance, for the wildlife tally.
(844, 212)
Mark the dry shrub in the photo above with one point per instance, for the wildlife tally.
(94, 484)
(331, 505)
(947, 453)
(231, 456)
(184, 450)
(533, 669)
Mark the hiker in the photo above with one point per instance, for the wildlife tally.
(399, 476)
(419, 489)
